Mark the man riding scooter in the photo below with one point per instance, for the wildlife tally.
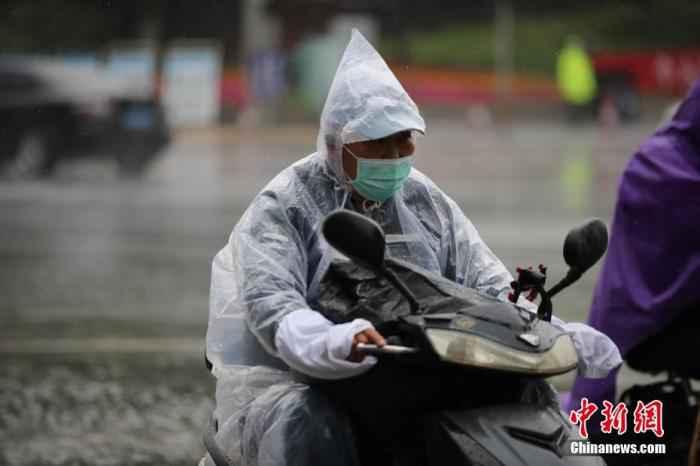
(263, 323)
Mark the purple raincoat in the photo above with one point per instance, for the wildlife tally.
(652, 269)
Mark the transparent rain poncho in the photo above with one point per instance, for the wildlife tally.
(276, 257)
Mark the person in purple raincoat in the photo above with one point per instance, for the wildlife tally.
(651, 275)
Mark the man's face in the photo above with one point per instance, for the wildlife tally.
(391, 147)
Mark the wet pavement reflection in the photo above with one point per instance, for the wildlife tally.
(105, 281)
(102, 409)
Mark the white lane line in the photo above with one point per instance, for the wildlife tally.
(102, 345)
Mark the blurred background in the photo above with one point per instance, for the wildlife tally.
(134, 134)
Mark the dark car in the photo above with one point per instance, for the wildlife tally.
(50, 112)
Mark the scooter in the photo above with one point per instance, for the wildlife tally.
(457, 336)
(470, 368)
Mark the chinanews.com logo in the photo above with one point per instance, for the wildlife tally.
(647, 418)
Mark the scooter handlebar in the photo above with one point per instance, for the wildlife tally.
(375, 350)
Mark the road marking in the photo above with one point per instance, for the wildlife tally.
(102, 345)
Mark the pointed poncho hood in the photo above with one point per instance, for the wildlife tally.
(365, 102)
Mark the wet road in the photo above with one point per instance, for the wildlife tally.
(104, 282)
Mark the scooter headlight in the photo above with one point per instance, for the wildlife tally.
(473, 350)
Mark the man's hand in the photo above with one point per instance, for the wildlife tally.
(366, 336)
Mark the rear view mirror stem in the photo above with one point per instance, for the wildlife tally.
(571, 276)
(544, 310)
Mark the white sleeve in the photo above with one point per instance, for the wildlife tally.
(313, 345)
(597, 353)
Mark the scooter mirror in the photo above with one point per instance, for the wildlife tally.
(585, 245)
(356, 236)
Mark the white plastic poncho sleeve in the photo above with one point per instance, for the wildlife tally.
(470, 261)
(266, 275)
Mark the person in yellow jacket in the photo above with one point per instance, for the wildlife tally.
(576, 79)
